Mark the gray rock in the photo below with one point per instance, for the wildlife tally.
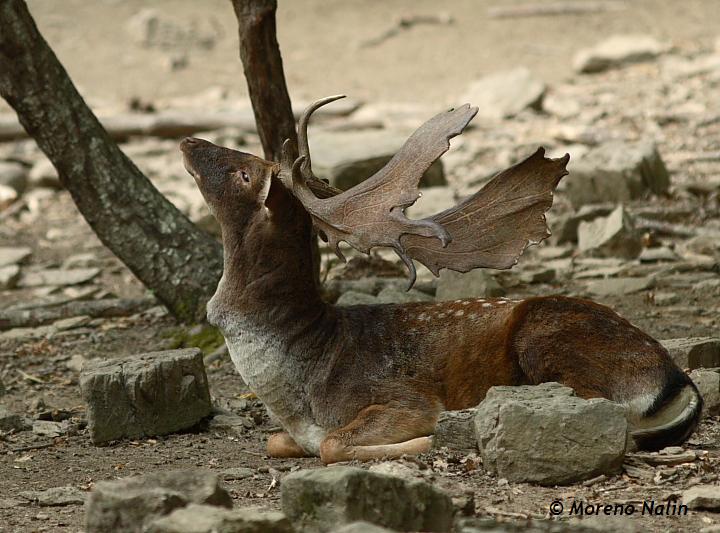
(7, 196)
(231, 424)
(44, 174)
(477, 283)
(433, 201)
(361, 527)
(666, 298)
(456, 430)
(76, 362)
(72, 322)
(492, 525)
(654, 255)
(707, 287)
(210, 519)
(706, 497)
(390, 295)
(148, 394)
(55, 496)
(506, 93)
(617, 172)
(620, 286)
(617, 51)
(58, 277)
(701, 244)
(131, 504)
(13, 175)
(541, 275)
(346, 158)
(694, 352)
(9, 503)
(356, 298)
(10, 421)
(152, 28)
(12, 255)
(565, 227)
(50, 429)
(322, 499)
(233, 474)
(708, 383)
(544, 434)
(611, 236)
(9, 277)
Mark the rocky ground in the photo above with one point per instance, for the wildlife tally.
(636, 226)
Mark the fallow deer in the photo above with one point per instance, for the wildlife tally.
(369, 381)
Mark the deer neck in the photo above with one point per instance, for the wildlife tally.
(269, 309)
(267, 279)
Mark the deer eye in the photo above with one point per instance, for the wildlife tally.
(244, 176)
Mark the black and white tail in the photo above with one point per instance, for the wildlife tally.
(672, 416)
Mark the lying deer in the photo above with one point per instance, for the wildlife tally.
(369, 381)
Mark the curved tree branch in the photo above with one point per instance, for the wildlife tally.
(170, 255)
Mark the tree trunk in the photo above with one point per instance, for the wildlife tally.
(264, 73)
(180, 263)
(263, 67)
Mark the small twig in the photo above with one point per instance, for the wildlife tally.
(33, 447)
(595, 480)
(30, 377)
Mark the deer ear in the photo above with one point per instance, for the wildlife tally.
(276, 196)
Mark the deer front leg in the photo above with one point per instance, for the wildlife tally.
(282, 445)
(381, 432)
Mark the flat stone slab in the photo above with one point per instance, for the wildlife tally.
(9, 277)
(323, 499)
(148, 394)
(12, 255)
(210, 519)
(505, 94)
(694, 352)
(346, 158)
(131, 504)
(477, 283)
(545, 434)
(58, 277)
(705, 497)
(617, 172)
(55, 496)
(617, 50)
(620, 286)
(611, 236)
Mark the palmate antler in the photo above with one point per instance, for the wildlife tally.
(490, 229)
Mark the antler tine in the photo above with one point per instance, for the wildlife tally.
(303, 146)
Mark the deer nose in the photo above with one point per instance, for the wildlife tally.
(189, 143)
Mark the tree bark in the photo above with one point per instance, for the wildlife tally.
(264, 73)
(176, 260)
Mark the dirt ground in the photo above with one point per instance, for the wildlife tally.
(326, 51)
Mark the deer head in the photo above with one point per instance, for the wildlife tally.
(229, 180)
